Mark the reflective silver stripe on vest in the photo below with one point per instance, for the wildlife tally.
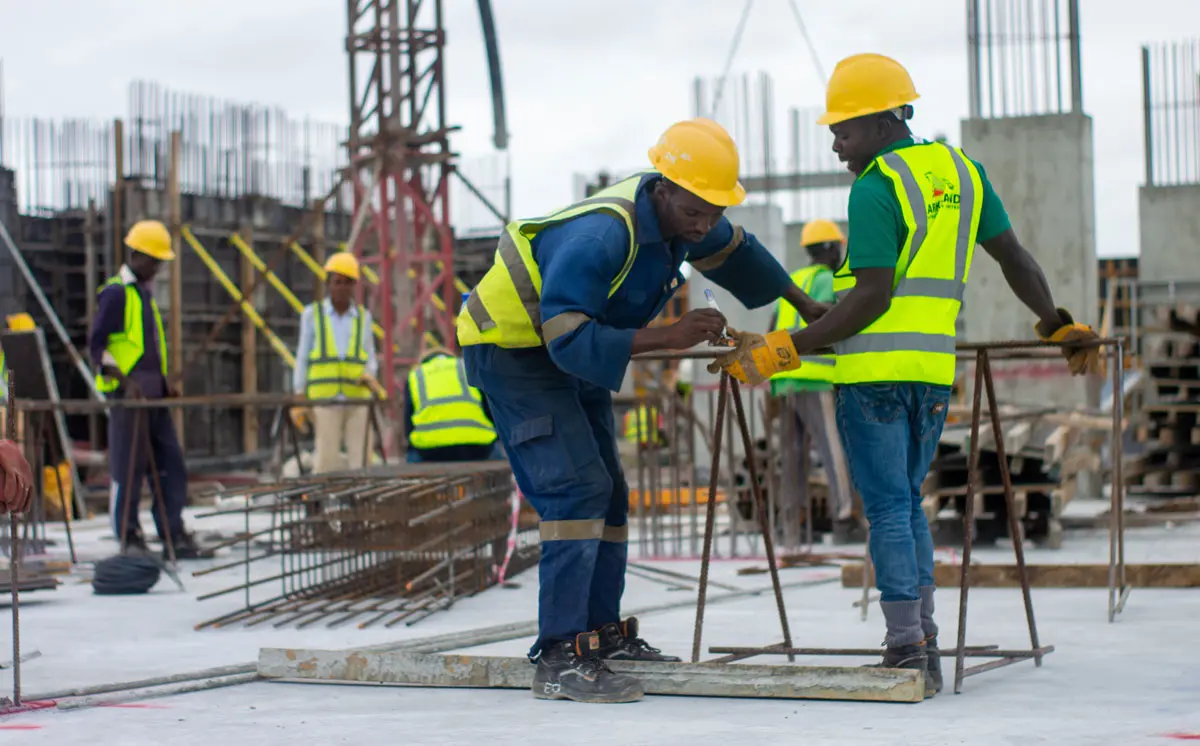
(934, 287)
(806, 360)
(463, 397)
(895, 341)
(448, 424)
(521, 279)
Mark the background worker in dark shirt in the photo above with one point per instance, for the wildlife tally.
(129, 351)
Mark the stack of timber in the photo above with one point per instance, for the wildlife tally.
(1046, 450)
(1169, 427)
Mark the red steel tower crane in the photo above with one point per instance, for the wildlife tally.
(400, 167)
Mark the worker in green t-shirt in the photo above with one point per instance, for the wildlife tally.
(810, 390)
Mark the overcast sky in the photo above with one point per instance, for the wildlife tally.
(588, 84)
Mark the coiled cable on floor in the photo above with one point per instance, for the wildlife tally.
(125, 574)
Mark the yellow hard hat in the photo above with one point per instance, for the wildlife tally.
(700, 156)
(865, 84)
(152, 238)
(20, 322)
(820, 231)
(343, 263)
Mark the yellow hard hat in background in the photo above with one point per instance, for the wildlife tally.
(700, 156)
(865, 84)
(20, 322)
(343, 263)
(821, 231)
(151, 238)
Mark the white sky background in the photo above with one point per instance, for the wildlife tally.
(588, 84)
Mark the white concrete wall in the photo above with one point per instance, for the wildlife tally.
(1169, 218)
(1041, 167)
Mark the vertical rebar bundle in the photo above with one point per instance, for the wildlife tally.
(1171, 109)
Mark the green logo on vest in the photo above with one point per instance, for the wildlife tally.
(944, 193)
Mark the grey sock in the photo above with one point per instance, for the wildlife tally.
(903, 622)
(928, 626)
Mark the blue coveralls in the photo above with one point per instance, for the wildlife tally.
(552, 407)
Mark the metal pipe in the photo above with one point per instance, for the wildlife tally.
(710, 513)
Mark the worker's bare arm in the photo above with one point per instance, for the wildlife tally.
(867, 301)
(809, 309)
(1024, 276)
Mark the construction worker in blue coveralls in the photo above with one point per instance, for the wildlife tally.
(129, 350)
(446, 419)
(916, 211)
(547, 337)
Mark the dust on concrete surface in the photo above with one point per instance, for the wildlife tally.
(1131, 682)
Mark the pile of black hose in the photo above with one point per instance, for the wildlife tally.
(125, 574)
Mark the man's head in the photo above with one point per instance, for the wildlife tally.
(341, 279)
(150, 244)
(867, 106)
(823, 241)
(699, 161)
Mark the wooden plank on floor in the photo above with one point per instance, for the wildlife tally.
(1051, 576)
(855, 683)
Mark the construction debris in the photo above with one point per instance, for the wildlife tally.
(396, 543)
(679, 679)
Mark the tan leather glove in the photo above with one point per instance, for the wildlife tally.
(16, 479)
(371, 382)
(1079, 359)
(300, 417)
(757, 357)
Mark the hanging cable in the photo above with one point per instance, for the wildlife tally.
(737, 40)
(812, 50)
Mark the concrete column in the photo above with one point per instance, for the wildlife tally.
(1169, 217)
(1041, 167)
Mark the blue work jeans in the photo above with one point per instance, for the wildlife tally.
(890, 433)
(560, 438)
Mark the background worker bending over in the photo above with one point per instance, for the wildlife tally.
(547, 336)
(335, 359)
(447, 419)
(916, 211)
(810, 387)
(129, 350)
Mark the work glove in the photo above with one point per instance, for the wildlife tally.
(16, 479)
(371, 382)
(1079, 359)
(300, 417)
(756, 357)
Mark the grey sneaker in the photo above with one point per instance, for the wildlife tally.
(912, 657)
(573, 669)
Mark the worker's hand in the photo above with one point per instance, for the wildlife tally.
(131, 388)
(1079, 359)
(696, 326)
(757, 357)
(173, 390)
(300, 417)
(16, 479)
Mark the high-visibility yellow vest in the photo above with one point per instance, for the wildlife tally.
(328, 374)
(127, 346)
(446, 410)
(503, 309)
(645, 418)
(941, 197)
(812, 367)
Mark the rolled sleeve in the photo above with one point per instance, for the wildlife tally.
(738, 262)
(109, 320)
(578, 262)
(303, 350)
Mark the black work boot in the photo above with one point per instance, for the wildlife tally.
(135, 543)
(905, 645)
(573, 669)
(619, 641)
(185, 547)
(933, 672)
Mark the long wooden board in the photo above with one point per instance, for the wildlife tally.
(686, 679)
(1050, 576)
